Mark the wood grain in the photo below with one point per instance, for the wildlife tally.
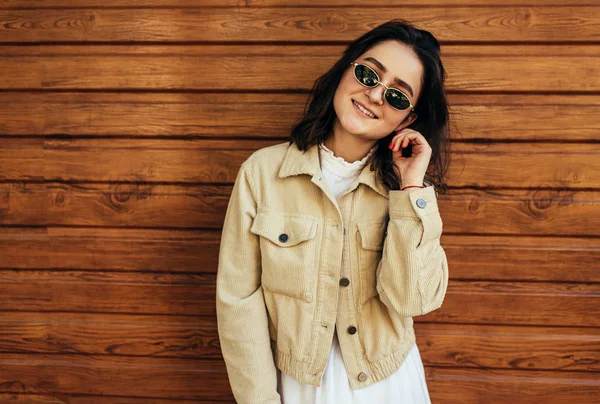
(288, 24)
(107, 292)
(486, 257)
(114, 376)
(519, 212)
(552, 212)
(132, 4)
(448, 345)
(508, 347)
(123, 125)
(60, 398)
(125, 204)
(136, 162)
(207, 380)
(498, 117)
(490, 68)
(115, 249)
(110, 334)
(476, 386)
(470, 257)
(472, 302)
(519, 303)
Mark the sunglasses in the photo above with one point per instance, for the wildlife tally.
(369, 78)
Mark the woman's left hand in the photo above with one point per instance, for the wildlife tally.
(413, 168)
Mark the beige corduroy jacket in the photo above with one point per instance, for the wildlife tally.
(295, 264)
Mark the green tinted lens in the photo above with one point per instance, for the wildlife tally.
(365, 75)
(397, 99)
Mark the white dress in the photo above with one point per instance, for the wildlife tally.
(406, 386)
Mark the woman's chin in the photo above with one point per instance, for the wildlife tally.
(356, 125)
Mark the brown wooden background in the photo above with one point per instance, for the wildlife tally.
(123, 125)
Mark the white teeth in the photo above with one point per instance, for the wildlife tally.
(364, 110)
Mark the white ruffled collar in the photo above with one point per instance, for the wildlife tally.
(340, 166)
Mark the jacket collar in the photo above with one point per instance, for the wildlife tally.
(298, 162)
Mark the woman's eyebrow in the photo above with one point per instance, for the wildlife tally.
(398, 81)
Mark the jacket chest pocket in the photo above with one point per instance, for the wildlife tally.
(288, 249)
(371, 235)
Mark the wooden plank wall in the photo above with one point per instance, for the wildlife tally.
(123, 125)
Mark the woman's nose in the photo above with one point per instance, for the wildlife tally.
(376, 94)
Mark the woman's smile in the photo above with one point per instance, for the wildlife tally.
(362, 110)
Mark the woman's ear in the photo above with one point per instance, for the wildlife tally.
(410, 118)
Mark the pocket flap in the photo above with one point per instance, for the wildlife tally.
(372, 234)
(283, 229)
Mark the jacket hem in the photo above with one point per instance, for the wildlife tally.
(296, 368)
(384, 367)
(376, 371)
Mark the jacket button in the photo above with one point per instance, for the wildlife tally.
(283, 237)
(344, 282)
(362, 377)
(352, 329)
(421, 203)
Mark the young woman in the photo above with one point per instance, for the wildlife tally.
(331, 242)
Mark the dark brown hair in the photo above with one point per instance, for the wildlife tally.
(316, 124)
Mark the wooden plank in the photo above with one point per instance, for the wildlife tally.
(115, 376)
(561, 259)
(306, 24)
(519, 303)
(450, 345)
(476, 302)
(60, 398)
(475, 116)
(109, 334)
(536, 164)
(538, 211)
(481, 68)
(476, 386)
(547, 165)
(120, 249)
(470, 257)
(180, 379)
(134, 4)
(6, 398)
(525, 117)
(542, 212)
(107, 292)
(506, 347)
(113, 205)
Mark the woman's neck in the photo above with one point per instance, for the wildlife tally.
(349, 147)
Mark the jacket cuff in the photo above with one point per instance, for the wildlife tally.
(413, 202)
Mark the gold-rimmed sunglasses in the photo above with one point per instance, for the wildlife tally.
(369, 78)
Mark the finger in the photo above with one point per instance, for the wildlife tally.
(403, 131)
(394, 141)
(406, 140)
(414, 138)
(402, 135)
(398, 142)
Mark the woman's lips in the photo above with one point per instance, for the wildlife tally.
(362, 113)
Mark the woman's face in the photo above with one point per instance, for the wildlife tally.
(400, 62)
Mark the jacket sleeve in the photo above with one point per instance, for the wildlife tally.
(241, 312)
(412, 275)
